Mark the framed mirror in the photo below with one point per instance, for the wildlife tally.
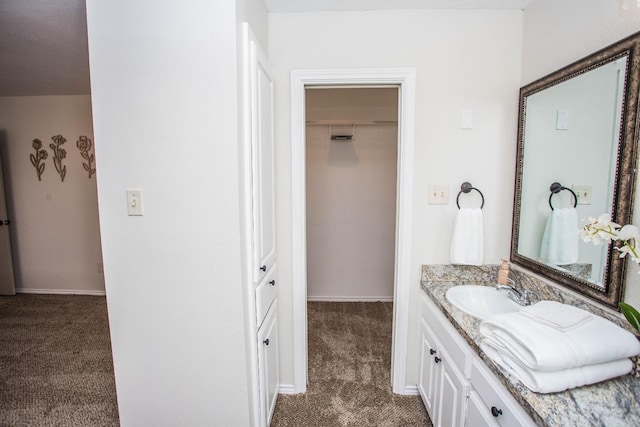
(576, 158)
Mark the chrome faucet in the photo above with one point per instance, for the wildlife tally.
(522, 298)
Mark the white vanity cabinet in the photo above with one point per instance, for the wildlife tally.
(442, 386)
(456, 386)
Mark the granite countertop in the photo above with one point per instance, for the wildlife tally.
(610, 403)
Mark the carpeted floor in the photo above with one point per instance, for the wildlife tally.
(349, 372)
(55, 362)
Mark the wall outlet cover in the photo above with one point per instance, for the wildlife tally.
(439, 194)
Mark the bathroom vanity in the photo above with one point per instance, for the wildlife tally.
(461, 386)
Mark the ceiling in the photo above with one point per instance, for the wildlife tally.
(43, 43)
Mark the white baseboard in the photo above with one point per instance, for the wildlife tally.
(286, 389)
(349, 299)
(411, 390)
(60, 291)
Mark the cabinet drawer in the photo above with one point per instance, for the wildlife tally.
(265, 294)
(457, 348)
(494, 395)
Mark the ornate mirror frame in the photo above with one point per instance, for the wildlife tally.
(625, 174)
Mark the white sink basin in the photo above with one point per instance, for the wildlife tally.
(481, 301)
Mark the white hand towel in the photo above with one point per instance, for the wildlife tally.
(551, 382)
(560, 239)
(467, 241)
(540, 347)
(556, 315)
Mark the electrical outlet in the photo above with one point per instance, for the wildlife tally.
(439, 194)
(583, 192)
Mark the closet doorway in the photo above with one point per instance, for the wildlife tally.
(403, 82)
(351, 170)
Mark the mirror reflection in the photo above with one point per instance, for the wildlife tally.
(571, 137)
(577, 155)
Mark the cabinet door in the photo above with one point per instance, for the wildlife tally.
(268, 363)
(477, 414)
(453, 391)
(429, 370)
(263, 200)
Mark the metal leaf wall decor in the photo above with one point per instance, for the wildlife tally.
(39, 157)
(58, 155)
(84, 145)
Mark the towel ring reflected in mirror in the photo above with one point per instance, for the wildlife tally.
(556, 187)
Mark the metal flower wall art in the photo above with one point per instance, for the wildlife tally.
(84, 145)
(38, 158)
(58, 155)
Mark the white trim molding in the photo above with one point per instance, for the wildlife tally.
(405, 80)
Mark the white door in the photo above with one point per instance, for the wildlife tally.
(264, 241)
(268, 363)
(429, 371)
(452, 394)
(7, 282)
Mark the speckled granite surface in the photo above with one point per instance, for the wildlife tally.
(610, 403)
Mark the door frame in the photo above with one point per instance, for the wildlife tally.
(405, 79)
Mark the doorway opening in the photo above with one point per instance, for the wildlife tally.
(351, 170)
(404, 82)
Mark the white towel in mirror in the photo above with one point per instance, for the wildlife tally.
(560, 239)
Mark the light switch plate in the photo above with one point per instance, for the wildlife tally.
(439, 194)
(134, 202)
(583, 192)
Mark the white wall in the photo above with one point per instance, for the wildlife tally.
(583, 27)
(557, 33)
(55, 231)
(464, 59)
(165, 101)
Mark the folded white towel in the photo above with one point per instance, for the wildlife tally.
(556, 315)
(467, 241)
(543, 348)
(551, 382)
(560, 239)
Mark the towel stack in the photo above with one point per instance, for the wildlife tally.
(552, 347)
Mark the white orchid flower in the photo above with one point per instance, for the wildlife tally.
(603, 230)
(600, 230)
(628, 232)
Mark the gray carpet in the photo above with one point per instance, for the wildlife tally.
(56, 367)
(349, 372)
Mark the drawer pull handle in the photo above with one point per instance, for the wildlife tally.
(437, 359)
(432, 351)
(495, 411)
(266, 342)
(263, 268)
(272, 282)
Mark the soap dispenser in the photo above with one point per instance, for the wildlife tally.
(503, 272)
